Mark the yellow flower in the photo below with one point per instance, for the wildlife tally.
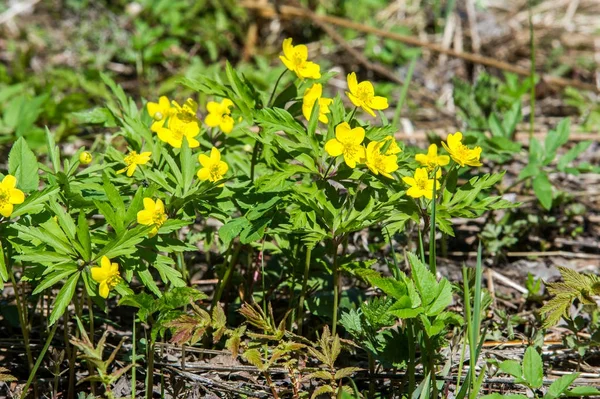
(85, 158)
(178, 129)
(107, 275)
(380, 163)
(187, 111)
(311, 96)
(213, 168)
(421, 185)
(393, 148)
(295, 59)
(9, 195)
(219, 115)
(159, 112)
(462, 154)
(347, 142)
(132, 160)
(153, 214)
(363, 95)
(432, 160)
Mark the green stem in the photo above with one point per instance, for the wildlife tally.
(300, 314)
(255, 151)
(372, 376)
(412, 346)
(352, 114)
(226, 276)
(336, 289)
(133, 356)
(430, 362)
(328, 168)
(92, 330)
(275, 88)
(24, 324)
(432, 262)
(532, 73)
(150, 370)
(39, 361)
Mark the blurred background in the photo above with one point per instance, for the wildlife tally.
(52, 51)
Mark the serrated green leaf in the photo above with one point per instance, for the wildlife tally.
(64, 298)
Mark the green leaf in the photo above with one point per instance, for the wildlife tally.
(83, 235)
(23, 165)
(572, 154)
(64, 298)
(559, 386)
(427, 286)
(511, 367)
(582, 391)
(3, 268)
(188, 166)
(555, 139)
(533, 368)
(543, 190)
(232, 229)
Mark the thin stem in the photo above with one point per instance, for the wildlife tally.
(412, 346)
(430, 362)
(300, 314)
(39, 361)
(24, 325)
(352, 114)
(371, 375)
(328, 168)
(336, 289)
(226, 276)
(255, 151)
(275, 88)
(133, 356)
(531, 73)
(92, 330)
(432, 262)
(150, 370)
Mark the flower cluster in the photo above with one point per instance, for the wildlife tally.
(423, 181)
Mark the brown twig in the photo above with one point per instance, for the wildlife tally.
(268, 11)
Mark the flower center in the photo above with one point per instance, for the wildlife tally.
(4, 196)
(130, 158)
(363, 94)
(462, 152)
(158, 218)
(350, 151)
(298, 58)
(215, 172)
(113, 281)
(421, 183)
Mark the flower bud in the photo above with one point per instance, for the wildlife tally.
(85, 158)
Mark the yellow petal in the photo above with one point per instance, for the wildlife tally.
(289, 65)
(432, 151)
(422, 159)
(334, 147)
(223, 168)
(212, 120)
(368, 110)
(16, 196)
(6, 210)
(352, 83)
(379, 102)
(226, 124)
(358, 135)
(443, 160)
(215, 155)
(343, 133)
(203, 173)
(145, 217)
(149, 204)
(288, 48)
(131, 169)
(310, 70)
(226, 103)
(9, 181)
(204, 160)
(409, 180)
(103, 289)
(414, 192)
(213, 107)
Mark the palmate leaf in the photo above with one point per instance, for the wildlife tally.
(576, 286)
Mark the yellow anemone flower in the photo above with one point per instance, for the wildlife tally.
(421, 185)
(432, 160)
(107, 275)
(311, 96)
(159, 112)
(178, 129)
(460, 153)
(187, 111)
(219, 115)
(363, 95)
(132, 160)
(295, 58)
(9, 195)
(85, 158)
(379, 163)
(153, 214)
(393, 148)
(213, 168)
(347, 142)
